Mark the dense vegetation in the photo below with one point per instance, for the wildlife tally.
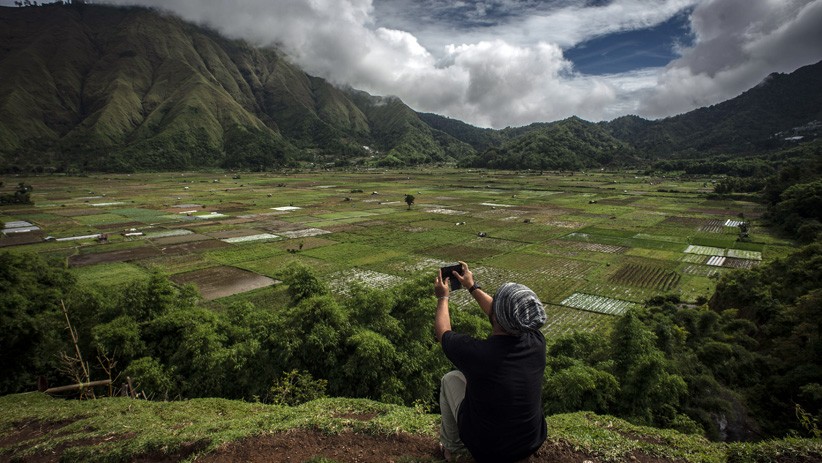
(735, 369)
(788, 181)
(375, 344)
(738, 369)
(572, 144)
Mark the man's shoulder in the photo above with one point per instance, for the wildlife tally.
(453, 336)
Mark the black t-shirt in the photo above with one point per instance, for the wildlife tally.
(501, 418)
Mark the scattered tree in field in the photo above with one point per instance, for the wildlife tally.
(22, 195)
(409, 199)
(743, 232)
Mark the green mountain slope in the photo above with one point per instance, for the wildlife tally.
(95, 87)
(403, 135)
(107, 88)
(568, 144)
(755, 121)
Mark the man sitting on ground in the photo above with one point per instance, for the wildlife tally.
(491, 405)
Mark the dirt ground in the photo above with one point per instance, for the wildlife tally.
(304, 445)
(222, 281)
(299, 445)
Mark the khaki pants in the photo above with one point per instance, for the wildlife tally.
(452, 392)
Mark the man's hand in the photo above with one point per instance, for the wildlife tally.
(440, 286)
(467, 278)
(442, 319)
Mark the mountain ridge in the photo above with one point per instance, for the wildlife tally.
(92, 87)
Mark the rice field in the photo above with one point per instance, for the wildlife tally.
(591, 245)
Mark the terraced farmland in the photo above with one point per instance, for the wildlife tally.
(588, 251)
(643, 276)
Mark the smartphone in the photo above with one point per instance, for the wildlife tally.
(446, 273)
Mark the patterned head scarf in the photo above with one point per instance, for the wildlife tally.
(517, 309)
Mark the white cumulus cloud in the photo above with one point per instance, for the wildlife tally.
(738, 43)
(508, 68)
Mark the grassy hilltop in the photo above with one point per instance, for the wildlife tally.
(38, 428)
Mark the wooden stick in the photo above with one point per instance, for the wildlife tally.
(102, 382)
(74, 339)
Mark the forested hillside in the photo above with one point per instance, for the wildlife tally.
(94, 87)
(781, 107)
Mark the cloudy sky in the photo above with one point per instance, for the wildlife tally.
(498, 63)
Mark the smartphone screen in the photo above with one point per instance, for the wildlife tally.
(446, 273)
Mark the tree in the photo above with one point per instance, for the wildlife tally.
(33, 326)
(409, 199)
(579, 387)
(650, 391)
(22, 195)
(303, 283)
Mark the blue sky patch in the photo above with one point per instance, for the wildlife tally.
(631, 50)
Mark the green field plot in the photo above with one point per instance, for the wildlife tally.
(269, 296)
(431, 224)
(749, 246)
(455, 252)
(552, 278)
(140, 214)
(178, 263)
(633, 220)
(657, 254)
(743, 254)
(342, 282)
(713, 240)
(566, 320)
(645, 276)
(585, 237)
(497, 244)
(274, 266)
(694, 286)
(689, 223)
(237, 253)
(113, 274)
(166, 233)
(704, 250)
(111, 246)
(694, 258)
(411, 240)
(618, 291)
(352, 254)
(598, 304)
(346, 215)
(528, 232)
(653, 244)
(304, 244)
(732, 262)
(702, 270)
(319, 223)
(603, 232)
(679, 239)
(100, 219)
(551, 267)
(593, 252)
